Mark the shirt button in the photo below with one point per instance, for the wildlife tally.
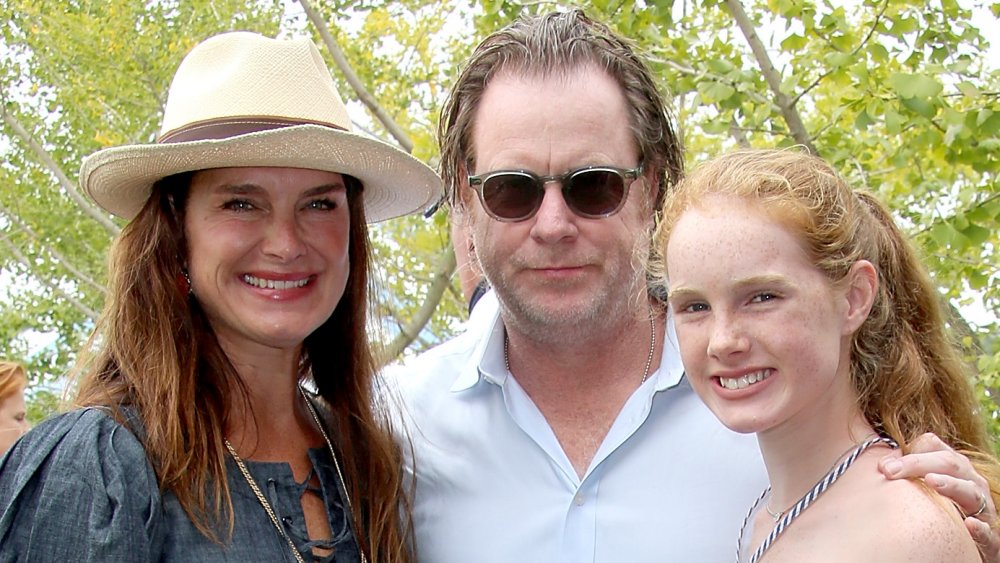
(579, 500)
(287, 520)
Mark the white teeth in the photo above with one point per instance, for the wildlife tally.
(744, 381)
(274, 284)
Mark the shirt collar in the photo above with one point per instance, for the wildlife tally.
(670, 372)
(486, 359)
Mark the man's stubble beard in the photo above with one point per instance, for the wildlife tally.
(610, 303)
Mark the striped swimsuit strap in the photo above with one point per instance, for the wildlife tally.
(819, 488)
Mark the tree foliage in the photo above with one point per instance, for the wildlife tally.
(897, 94)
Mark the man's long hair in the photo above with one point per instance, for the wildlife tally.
(541, 46)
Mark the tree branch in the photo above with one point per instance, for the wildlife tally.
(67, 185)
(366, 98)
(691, 71)
(408, 332)
(736, 133)
(55, 254)
(961, 329)
(785, 105)
(972, 207)
(442, 279)
(868, 37)
(79, 305)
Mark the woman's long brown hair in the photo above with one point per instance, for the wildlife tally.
(154, 353)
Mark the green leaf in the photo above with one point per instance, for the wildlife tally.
(893, 122)
(954, 130)
(947, 236)
(715, 92)
(838, 59)
(992, 145)
(953, 117)
(969, 89)
(960, 66)
(985, 212)
(720, 66)
(794, 42)
(977, 235)
(919, 106)
(878, 51)
(978, 280)
(914, 85)
(786, 8)
(904, 25)
(988, 122)
(863, 120)
(715, 127)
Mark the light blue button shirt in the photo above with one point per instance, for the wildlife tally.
(668, 484)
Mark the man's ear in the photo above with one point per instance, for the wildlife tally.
(651, 182)
(465, 195)
(861, 288)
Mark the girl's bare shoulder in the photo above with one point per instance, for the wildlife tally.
(866, 517)
(908, 522)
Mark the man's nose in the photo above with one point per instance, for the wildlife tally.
(554, 221)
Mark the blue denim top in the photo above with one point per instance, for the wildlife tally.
(79, 487)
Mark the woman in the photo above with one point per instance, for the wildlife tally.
(226, 409)
(803, 315)
(13, 414)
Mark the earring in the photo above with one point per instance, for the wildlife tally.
(184, 282)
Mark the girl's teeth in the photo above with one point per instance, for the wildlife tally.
(744, 381)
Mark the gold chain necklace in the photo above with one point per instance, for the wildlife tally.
(649, 359)
(267, 506)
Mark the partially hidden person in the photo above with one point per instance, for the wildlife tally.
(13, 412)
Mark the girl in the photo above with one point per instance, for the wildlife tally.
(803, 315)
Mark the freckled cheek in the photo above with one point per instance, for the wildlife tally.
(694, 349)
(812, 349)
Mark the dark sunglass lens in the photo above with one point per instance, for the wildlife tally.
(595, 193)
(511, 196)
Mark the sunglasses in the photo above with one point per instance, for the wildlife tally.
(592, 192)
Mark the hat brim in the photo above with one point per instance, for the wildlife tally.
(120, 179)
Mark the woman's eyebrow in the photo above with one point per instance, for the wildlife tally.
(325, 188)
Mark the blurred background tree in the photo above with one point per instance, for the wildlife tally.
(901, 96)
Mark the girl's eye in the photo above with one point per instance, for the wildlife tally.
(762, 297)
(691, 307)
(20, 417)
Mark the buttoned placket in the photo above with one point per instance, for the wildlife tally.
(581, 496)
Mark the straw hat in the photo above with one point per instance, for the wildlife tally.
(242, 99)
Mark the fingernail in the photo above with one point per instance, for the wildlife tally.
(893, 467)
(934, 481)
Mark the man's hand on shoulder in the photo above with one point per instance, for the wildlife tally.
(953, 476)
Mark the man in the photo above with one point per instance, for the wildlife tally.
(559, 427)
